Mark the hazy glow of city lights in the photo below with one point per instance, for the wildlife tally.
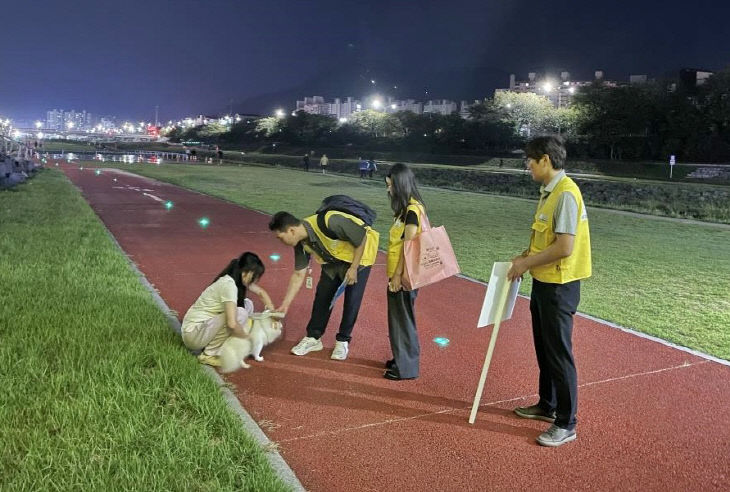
(377, 103)
(358, 106)
(38, 124)
(16, 134)
(279, 113)
(69, 124)
(547, 86)
(343, 120)
(571, 90)
(40, 135)
(393, 106)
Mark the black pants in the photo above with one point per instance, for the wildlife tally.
(552, 307)
(326, 288)
(402, 332)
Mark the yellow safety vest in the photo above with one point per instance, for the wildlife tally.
(574, 267)
(395, 241)
(344, 250)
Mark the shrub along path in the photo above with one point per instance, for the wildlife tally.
(648, 412)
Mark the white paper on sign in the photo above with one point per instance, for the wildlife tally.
(497, 283)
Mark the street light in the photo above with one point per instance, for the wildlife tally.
(279, 113)
(547, 86)
(38, 124)
(343, 120)
(377, 104)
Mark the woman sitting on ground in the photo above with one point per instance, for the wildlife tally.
(222, 310)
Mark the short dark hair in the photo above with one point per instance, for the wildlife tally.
(550, 145)
(281, 221)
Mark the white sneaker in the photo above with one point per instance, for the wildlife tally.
(340, 351)
(306, 345)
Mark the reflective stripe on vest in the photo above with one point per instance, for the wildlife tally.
(344, 250)
(574, 267)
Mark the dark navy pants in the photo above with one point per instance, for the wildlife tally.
(552, 307)
(402, 332)
(326, 288)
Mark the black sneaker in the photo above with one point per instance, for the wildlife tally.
(534, 412)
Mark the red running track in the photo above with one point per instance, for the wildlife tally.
(651, 417)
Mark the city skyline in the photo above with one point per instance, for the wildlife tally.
(206, 58)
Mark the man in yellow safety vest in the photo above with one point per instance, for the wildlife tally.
(346, 248)
(558, 258)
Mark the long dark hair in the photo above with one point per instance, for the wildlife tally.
(247, 262)
(403, 187)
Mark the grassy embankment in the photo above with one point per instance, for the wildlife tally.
(98, 393)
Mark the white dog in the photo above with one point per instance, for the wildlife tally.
(262, 330)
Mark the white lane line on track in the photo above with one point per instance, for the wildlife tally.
(491, 403)
(154, 197)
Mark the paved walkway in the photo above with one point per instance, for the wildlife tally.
(651, 417)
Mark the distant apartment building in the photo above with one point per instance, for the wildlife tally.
(54, 120)
(65, 120)
(344, 108)
(440, 106)
(693, 77)
(313, 105)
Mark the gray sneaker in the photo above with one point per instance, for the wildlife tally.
(306, 345)
(556, 436)
(534, 412)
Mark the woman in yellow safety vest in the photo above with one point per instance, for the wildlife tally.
(407, 206)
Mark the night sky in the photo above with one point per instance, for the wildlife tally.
(189, 57)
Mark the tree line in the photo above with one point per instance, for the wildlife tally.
(645, 121)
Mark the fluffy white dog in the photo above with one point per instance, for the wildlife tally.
(263, 329)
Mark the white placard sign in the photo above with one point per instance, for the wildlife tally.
(497, 283)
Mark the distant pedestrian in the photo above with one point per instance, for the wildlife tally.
(372, 168)
(220, 156)
(323, 163)
(305, 162)
(363, 166)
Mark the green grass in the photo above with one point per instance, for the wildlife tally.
(661, 277)
(97, 391)
(66, 146)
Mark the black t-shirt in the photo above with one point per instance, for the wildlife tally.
(411, 219)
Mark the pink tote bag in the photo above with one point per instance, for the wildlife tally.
(428, 257)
